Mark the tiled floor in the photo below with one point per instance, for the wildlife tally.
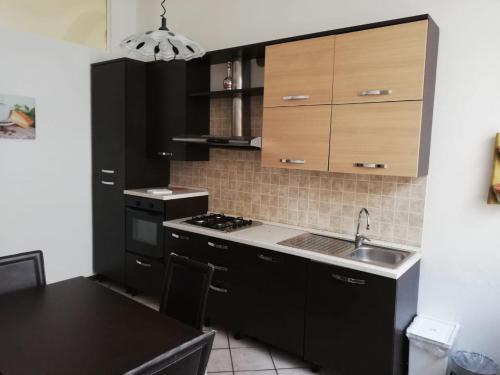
(240, 357)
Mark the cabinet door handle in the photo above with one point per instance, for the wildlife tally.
(268, 259)
(179, 237)
(219, 290)
(348, 280)
(107, 183)
(218, 246)
(296, 97)
(218, 268)
(108, 171)
(370, 165)
(163, 153)
(292, 161)
(142, 264)
(375, 92)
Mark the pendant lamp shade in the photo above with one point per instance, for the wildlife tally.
(163, 44)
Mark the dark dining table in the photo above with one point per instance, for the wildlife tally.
(77, 326)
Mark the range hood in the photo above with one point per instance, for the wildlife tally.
(240, 123)
(215, 141)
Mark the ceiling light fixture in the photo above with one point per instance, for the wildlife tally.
(163, 44)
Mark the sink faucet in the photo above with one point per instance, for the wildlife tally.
(360, 239)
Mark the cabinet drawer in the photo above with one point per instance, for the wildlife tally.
(296, 137)
(144, 274)
(376, 138)
(299, 73)
(390, 59)
(184, 243)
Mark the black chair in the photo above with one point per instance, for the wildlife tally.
(21, 271)
(185, 290)
(190, 358)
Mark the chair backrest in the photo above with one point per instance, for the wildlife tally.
(190, 358)
(21, 271)
(185, 290)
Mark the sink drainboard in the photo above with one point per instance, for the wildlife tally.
(321, 244)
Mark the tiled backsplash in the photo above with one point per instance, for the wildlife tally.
(321, 200)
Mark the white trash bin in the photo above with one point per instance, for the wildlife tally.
(430, 342)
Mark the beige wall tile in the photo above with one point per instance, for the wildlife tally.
(330, 201)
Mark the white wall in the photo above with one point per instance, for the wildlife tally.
(45, 185)
(460, 277)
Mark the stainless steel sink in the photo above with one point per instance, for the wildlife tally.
(379, 256)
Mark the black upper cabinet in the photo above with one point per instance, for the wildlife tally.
(172, 111)
(119, 159)
(355, 321)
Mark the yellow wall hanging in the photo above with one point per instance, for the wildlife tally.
(494, 195)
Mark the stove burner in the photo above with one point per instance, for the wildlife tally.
(221, 222)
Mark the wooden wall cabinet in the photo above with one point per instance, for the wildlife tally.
(376, 138)
(296, 137)
(299, 73)
(383, 64)
(382, 96)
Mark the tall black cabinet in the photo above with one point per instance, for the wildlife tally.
(119, 157)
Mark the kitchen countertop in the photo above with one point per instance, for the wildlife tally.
(177, 193)
(269, 234)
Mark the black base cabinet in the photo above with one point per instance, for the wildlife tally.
(346, 321)
(145, 234)
(226, 259)
(271, 298)
(355, 321)
(144, 274)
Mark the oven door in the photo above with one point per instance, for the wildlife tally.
(145, 234)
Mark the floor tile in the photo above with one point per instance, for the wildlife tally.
(244, 343)
(261, 372)
(248, 359)
(220, 340)
(220, 360)
(284, 360)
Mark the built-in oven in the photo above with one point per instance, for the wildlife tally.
(144, 227)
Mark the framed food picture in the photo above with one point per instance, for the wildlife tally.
(17, 117)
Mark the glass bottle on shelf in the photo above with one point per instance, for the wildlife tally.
(228, 81)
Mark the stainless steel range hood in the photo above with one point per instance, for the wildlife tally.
(214, 141)
(240, 122)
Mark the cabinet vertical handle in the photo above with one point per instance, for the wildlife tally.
(377, 92)
(142, 264)
(348, 280)
(179, 237)
(217, 246)
(370, 165)
(268, 258)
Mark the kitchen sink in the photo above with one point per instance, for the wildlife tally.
(379, 256)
